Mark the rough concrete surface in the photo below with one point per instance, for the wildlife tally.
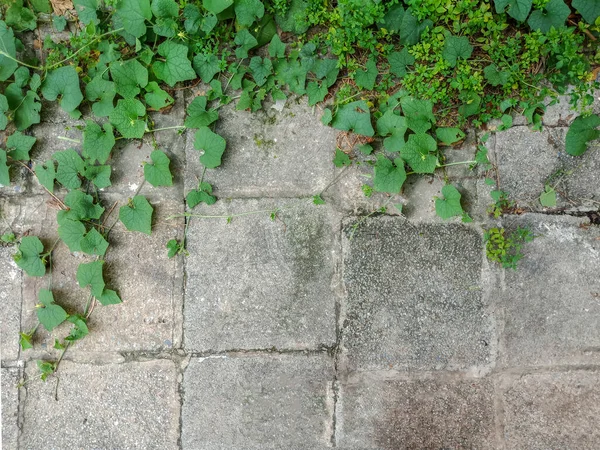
(10, 407)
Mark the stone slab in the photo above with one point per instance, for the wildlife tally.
(131, 405)
(10, 299)
(258, 401)
(268, 154)
(551, 302)
(382, 411)
(258, 283)
(10, 407)
(415, 298)
(551, 410)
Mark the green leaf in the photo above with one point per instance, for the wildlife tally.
(28, 256)
(217, 6)
(64, 83)
(46, 174)
(19, 145)
(20, 18)
(456, 47)
(97, 143)
(164, 8)
(517, 9)
(417, 153)
(4, 175)
(354, 117)
(341, 159)
(316, 92)
(82, 206)
(59, 23)
(200, 195)
(157, 173)
(156, 98)
(109, 297)
(79, 330)
(177, 66)
(582, 131)
(42, 6)
(554, 14)
(134, 14)
(449, 206)
(260, 68)
(198, 116)
(507, 122)
(27, 110)
(365, 79)
(389, 177)
(326, 68)
(102, 92)
(245, 41)
(327, 116)
(394, 125)
(248, 11)
(494, 76)
(25, 341)
(212, 145)
(276, 47)
(589, 9)
(449, 136)
(418, 113)
(70, 166)
(46, 369)
(99, 175)
(129, 77)
(548, 198)
(49, 313)
(90, 274)
(8, 238)
(365, 149)
(318, 200)
(86, 11)
(399, 61)
(471, 104)
(125, 118)
(93, 243)
(137, 215)
(3, 109)
(7, 45)
(70, 231)
(206, 66)
(295, 19)
(411, 29)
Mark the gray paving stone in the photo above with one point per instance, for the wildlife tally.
(378, 411)
(268, 154)
(132, 405)
(10, 299)
(258, 283)
(415, 297)
(258, 401)
(10, 407)
(550, 302)
(551, 410)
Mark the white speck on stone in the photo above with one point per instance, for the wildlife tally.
(133, 187)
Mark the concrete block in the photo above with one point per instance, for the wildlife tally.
(10, 407)
(11, 299)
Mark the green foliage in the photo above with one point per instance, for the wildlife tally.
(29, 258)
(137, 215)
(548, 197)
(157, 173)
(506, 248)
(211, 145)
(450, 206)
(341, 159)
(354, 117)
(90, 274)
(63, 84)
(201, 195)
(176, 67)
(389, 177)
(49, 313)
(582, 131)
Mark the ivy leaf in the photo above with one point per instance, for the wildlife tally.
(125, 118)
(206, 66)
(517, 9)
(63, 82)
(99, 175)
(156, 98)
(200, 195)
(392, 20)
(164, 8)
(217, 6)
(582, 131)
(326, 68)
(399, 61)
(7, 45)
(42, 6)
(245, 42)
(97, 143)
(177, 66)
(70, 166)
(86, 11)
(494, 76)
(20, 18)
(471, 104)
(28, 256)
(82, 206)
(90, 274)
(260, 68)
(456, 47)
(137, 215)
(27, 111)
(554, 14)
(157, 173)
(417, 153)
(20, 145)
(449, 136)
(4, 175)
(79, 330)
(418, 113)
(449, 206)
(318, 200)
(198, 116)
(109, 297)
(70, 231)
(365, 79)
(25, 341)
(93, 243)
(276, 47)
(134, 14)
(46, 174)
(389, 177)
(316, 92)
(394, 125)
(354, 117)
(212, 145)
(49, 313)
(248, 11)
(3, 109)
(411, 29)
(129, 77)
(548, 198)
(102, 92)
(341, 159)
(589, 9)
